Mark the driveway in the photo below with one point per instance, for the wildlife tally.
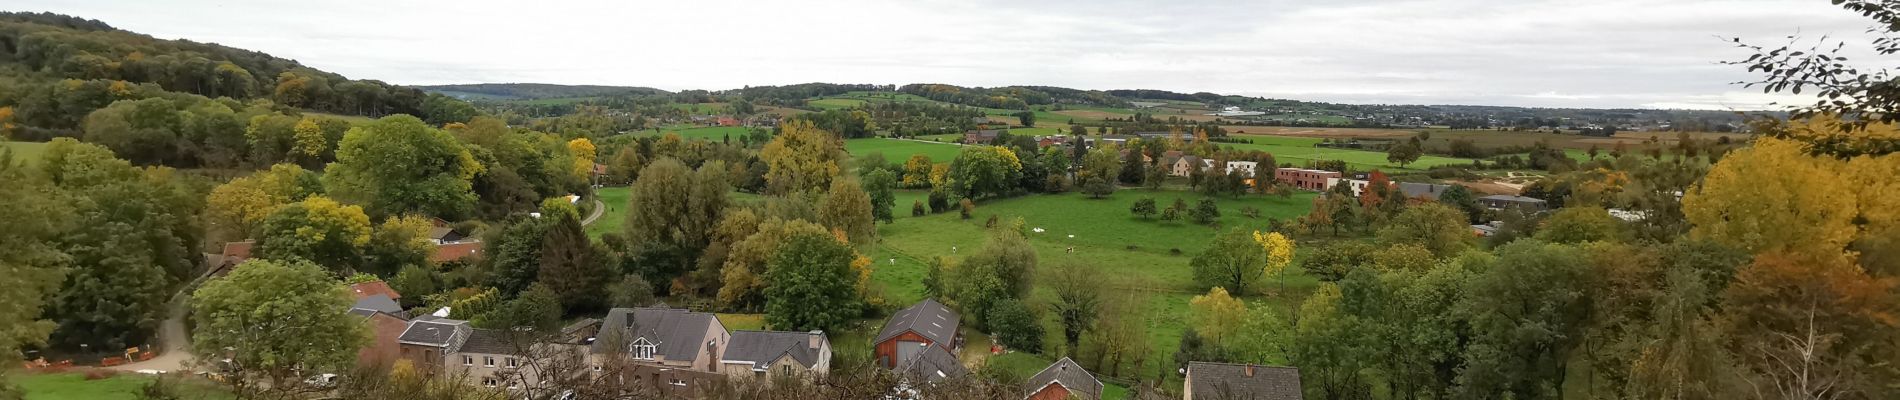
(174, 342)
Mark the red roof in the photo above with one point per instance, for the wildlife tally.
(367, 289)
(238, 251)
(456, 251)
(728, 121)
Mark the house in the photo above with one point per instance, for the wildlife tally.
(379, 303)
(1307, 179)
(1413, 190)
(456, 251)
(1208, 380)
(925, 327)
(1184, 166)
(234, 253)
(385, 329)
(427, 342)
(666, 337)
(373, 288)
(1245, 168)
(1521, 203)
(984, 136)
(1063, 380)
(932, 367)
(758, 353)
(492, 359)
(1483, 230)
(726, 121)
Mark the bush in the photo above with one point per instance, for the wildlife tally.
(1143, 208)
(1016, 327)
(1250, 212)
(917, 208)
(1206, 213)
(968, 207)
(939, 201)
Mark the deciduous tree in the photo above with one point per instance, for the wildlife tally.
(812, 284)
(1232, 261)
(400, 165)
(275, 320)
(318, 230)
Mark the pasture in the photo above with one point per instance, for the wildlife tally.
(615, 198)
(25, 152)
(1136, 257)
(712, 133)
(112, 386)
(898, 150)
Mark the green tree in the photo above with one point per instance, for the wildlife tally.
(318, 230)
(1573, 225)
(1144, 208)
(671, 213)
(1096, 186)
(1435, 226)
(400, 165)
(1016, 326)
(846, 207)
(1206, 212)
(400, 241)
(1531, 284)
(415, 282)
(1460, 198)
(572, 266)
(1405, 152)
(1078, 297)
(630, 291)
(802, 158)
(983, 171)
(880, 184)
(233, 210)
(812, 284)
(1233, 261)
(538, 308)
(1332, 261)
(1002, 270)
(275, 321)
(512, 258)
(30, 269)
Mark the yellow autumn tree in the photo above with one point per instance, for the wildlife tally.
(235, 208)
(802, 158)
(6, 122)
(1279, 252)
(309, 142)
(1773, 197)
(1216, 315)
(583, 152)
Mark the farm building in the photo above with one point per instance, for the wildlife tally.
(1427, 191)
(1500, 202)
(1306, 179)
(981, 136)
(761, 353)
(925, 327)
(1063, 380)
(1209, 380)
(1185, 165)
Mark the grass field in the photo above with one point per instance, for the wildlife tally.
(742, 322)
(25, 152)
(615, 198)
(712, 133)
(126, 386)
(898, 150)
(1134, 256)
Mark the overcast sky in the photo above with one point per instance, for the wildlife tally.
(1549, 53)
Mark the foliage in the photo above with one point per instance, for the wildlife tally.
(1016, 327)
(630, 291)
(1573, 225)
(1001, 271)
(1435, 226)
(1232, 261)
(1144, 207)
(1331, 262)
(234, 209)
(672, 211)
(743, 273)
(572, 266)
(1078, 296)
(1519, 311)
(1772, 197)
(985, 171)
(1206, 212)
(274, 319)
(31, 267)
(415, 282)
(846, 207)
(801, 158)
(1460, 198)
(538, 308)
(879, 184)
(400, 165)
(1859, 98)
(812, 284)
(400, 241)
(1216, 316)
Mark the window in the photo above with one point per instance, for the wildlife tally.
(641, 349)
(513, 384)
(489, 382)
(677, 382)
(785, 369)
(511, 362)
(488, 362)
(468, 360)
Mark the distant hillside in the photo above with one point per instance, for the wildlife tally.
(530, 91)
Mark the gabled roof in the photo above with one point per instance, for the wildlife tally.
(446, 333)
(929, 318)
(1067, 373)
(485, 341)
(456, 251)
(676, 334)
(378, 303)
(237, 252)
(1224, 380)
(933, 366)
(1424, 190)
(1510, 198)
(373, 288)
(761, 348)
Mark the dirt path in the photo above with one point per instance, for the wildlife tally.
(599, 208)
(174, 342)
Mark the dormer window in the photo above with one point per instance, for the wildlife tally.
(641, 349)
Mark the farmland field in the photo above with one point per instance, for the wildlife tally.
(1133, 255)
(712, 133)
(898, 150)
(127, 386)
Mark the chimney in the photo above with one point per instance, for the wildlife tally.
(814, 337)
(1249, 370)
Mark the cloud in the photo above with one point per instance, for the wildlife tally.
(1548, 53)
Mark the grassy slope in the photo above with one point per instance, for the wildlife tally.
(898, 150)
(25, 152)
(610, 221)
(74, 386)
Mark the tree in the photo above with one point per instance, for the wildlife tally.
(400, 165)
(1206, 212)
(1460, 198)
(1002, 270)
(583, 151)
(742, 275)
(571, 266)
(630, 291)
(1406, 152)
(1216, 315)
(966, 207)
(1279, 254)
(1573, 225)
(1028, 119)
(1096, 186)
(1016, 327)
(235, 208)
(917, 171)
(1860, 98)
(415, 282)
(802, 158)
(812, 284)
(985, 171)
(847, 208)
(1078, 296)
(318, 230)
(1232, 261)
(274, 320)
(1331, 262)
(512, 257)
(880, 184)
(1435, 226)
(1531, 284)
(1772, 197)
(1144, 208)
(399, 241)
(37, 213)
(1330, 346)
(672, 210)
(1811, 330)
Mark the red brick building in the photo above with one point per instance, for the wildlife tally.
(1306, 179)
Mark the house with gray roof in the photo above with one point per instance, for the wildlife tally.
(428, 343)
(379, 303)
(666, 337)
(1521, 203)
(1063, 379)
(927, 326)
(759, 353)
(932, 367)
(1225, 381)
(494, 359)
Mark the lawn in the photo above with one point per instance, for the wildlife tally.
(898, 150)
(75, 386)
(834, 104)
(742, 322)
(712, 133)
(1135, 257)
(25, 152)
(615, 198)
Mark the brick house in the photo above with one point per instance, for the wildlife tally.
(1063, 380)
(1305, 179)
(758, 354)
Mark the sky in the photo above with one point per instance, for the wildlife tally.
(1537, 53)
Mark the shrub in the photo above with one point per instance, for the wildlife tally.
(1206, 213)
(1143, 208)
(1016, 327)
(968, 207)
(1250, 212)
(917, 208)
